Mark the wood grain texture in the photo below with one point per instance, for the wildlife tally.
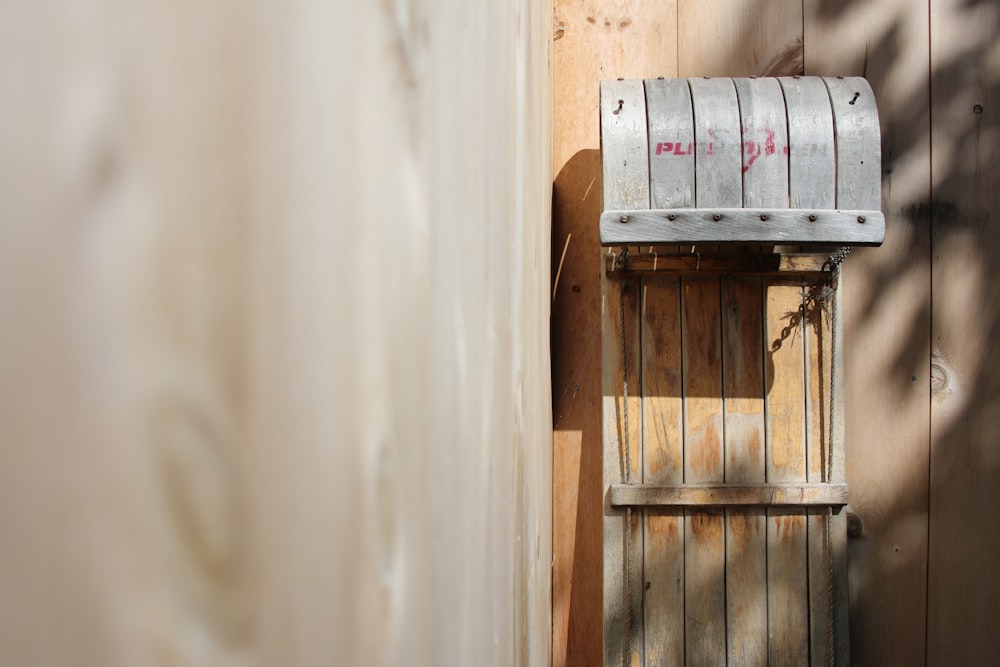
(737, 225)
(623, 463)
(964, 587)
(746, 530)
(663, 457)
(704, 462)
(671, 143)
(723, 495)
(787, 577)
(593, 42)
(223, 433)
(885, 314)
(739, 38)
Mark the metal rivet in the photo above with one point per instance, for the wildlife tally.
(978, 109)
(763, 216)
(671, 216)
(716, 217)
(812, 217)
(861, 218)
(624, 218)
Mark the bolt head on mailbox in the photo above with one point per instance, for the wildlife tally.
(789, 160)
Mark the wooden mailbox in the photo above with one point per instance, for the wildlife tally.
(728, 207)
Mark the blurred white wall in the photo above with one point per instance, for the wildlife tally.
(274, 375)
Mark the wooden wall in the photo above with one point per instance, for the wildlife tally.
(921, 319)
(274, 375)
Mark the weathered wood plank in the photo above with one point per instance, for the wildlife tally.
(746, 529)
(718, 148)
(964, 583)
(725, 495)
(787, 580)
(624, 145)
(704, 558)
(622, 593)
(765, 142)
(794, 267)
(663, 463)
(738, 225)
(739, 38)
(671, 143)
(885, 297)
(859, 145)
(812, 166)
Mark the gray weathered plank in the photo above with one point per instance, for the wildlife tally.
(718, 151)
(671, 143)
(624, 145)
(812, 166)
(765, 142)
(742, 225)
(859, 146)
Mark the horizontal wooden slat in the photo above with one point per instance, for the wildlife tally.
(728, 495)
(741, 225)
(812, 265)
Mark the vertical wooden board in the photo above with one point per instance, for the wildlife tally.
(885, 299)
(859, 144)
(964, 585)
(812, 166)
(746, 529)
(739, 38)
(765, 143)
(812, 183)
(620, 376)
(591, 42)
(663, 463)
(823, 567)
(704, 557)
(718, 143)
(787, 579)
(624, 145)
(671, 143)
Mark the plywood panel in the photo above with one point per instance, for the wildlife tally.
(592, 41)
(739, 38)
(885, 314)
(964, 588)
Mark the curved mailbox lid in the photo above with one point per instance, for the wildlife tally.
(813, 140)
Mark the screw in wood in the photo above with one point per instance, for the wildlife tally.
(716, 217)
(624, 218)
(812, 217)
(763, 216)
(861, 219)
(977, 109)
(671, 217)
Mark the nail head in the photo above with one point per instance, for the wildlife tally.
(716, 217)
(624, 218)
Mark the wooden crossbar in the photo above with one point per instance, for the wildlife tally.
(702, 496)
